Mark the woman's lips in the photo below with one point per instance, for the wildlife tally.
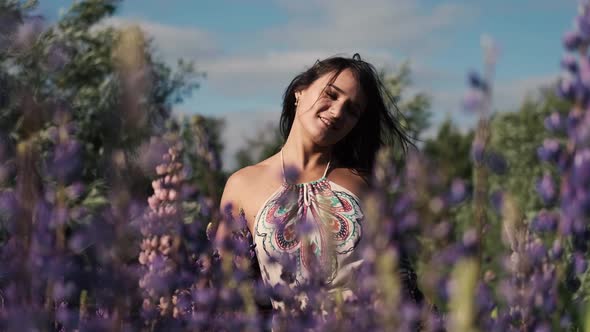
(329, 124)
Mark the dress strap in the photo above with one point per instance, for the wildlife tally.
(327, 168)
(283, 167)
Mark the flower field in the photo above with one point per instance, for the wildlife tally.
(109, 202)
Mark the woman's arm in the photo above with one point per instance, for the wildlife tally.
(229, 208)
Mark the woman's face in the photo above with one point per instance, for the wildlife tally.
(329, 111)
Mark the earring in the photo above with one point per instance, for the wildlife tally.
(296, 101)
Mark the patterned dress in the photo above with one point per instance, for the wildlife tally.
(316, 226)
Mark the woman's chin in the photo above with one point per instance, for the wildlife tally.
(321, 135)
(325, 140)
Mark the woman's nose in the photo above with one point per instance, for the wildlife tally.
(337, 110)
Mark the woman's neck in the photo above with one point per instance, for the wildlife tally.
(305, 155)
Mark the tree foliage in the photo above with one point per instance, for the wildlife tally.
(77, 66)
(449, 150)
(518, 135)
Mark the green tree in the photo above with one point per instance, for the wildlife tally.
(415, 109)
(266, 143)
(517, 135)
(100, 90)
(449, 150)
(107, 81)
(202, 139)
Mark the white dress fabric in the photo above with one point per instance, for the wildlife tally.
(318, 226)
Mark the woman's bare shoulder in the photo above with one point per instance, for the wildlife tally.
(347, 178)
(247, 187)
(249, 175)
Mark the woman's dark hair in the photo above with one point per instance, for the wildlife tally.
(378, 125)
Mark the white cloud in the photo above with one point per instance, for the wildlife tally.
(512, 94)
(241, 75)
(315, 30)
(263, 73)
(507, 96)
(269, 73)
(390, 24)
(173, 42)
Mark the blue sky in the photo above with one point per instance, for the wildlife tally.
(250, 49)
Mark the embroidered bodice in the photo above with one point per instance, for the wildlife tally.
(316, 224)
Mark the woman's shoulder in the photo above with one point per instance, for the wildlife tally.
(351, 180)
(246, 176)
(246, 187)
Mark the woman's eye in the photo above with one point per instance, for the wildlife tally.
(331, 95)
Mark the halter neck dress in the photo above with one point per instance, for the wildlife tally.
(317, 223)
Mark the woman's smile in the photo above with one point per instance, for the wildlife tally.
(327, 123)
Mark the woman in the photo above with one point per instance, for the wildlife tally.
(335, 117)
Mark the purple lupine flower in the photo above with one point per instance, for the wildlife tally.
(582, 23)
(565, 226)
(66, 162)
(458, 192)
(477, 151)
(584, 71)
(484, 299)
(9, 208)
(441, 230)
(580, 263)
(409, 221)
(544, 327)
(537, 286)
(582, 133)
(75, 190)
(470, 239)
(150, 154)
(476, 81)
(544, 221)
(291, 174)
(402, 205)
(496, 162)
(566, 88)
(473, 100)
(581, 167)
(555, 122)
(572, 40)
(582, 199)
(532, 284)
(550, 150)
(546, 188)
(571, 87)
(67, 317)
(536, 250)
(497, 200)
(570, 62)
(573, 119)
(556, 249)
(160, 230)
